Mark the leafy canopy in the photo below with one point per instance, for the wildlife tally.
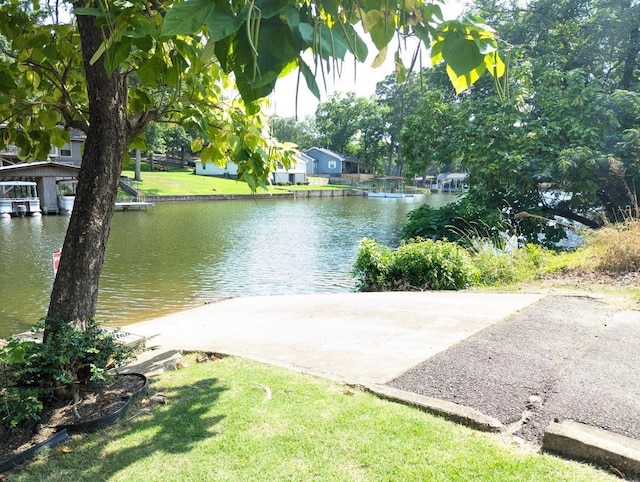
(177, 60)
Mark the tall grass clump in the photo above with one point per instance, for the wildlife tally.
(615, 248)
(506, 266)
(417, 265)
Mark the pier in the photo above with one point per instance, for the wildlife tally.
(137, 205)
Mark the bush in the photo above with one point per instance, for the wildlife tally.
(416, 265)
(370, 265)
(457, 221)
(483, 214)
(33, 372)
(500, 266)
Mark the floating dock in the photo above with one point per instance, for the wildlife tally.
(137, 205)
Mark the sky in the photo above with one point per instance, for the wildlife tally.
(361, 78)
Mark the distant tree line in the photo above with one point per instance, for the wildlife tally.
(558, 136)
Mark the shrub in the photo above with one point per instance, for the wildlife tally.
(455, 221)
(370, 265)
(484, 214)
(33, 372)
(499, 266)
(416, 265)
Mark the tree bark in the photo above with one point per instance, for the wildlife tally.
(75, 290)
(567, 213)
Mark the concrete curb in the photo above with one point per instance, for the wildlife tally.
(570, 440)
(152, 362)
(451, 411)
(577, 441)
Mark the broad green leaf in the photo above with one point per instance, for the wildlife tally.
(370, 19)
(264, 9)
(208, 53)
(139, 100)
(223, 22)
(172, 75)
(495, 65)
(306, 31)
(120, 52)
(151, 71)
(51, 52)
(292, 16)
(251, 91)
(431, 11)
(463, 82)
(355, 44)
(382, 31)
(196, 145)
(144, 43)
(436, 52)
(48, 119)
(59, 137)
(12, 354)
(486, 45)
(187, 17)
(34, 79)
(460, 54)
(331, 7)
(309, 78)
(331, 44)
(138, 32)
(7, 83)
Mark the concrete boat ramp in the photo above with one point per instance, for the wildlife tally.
(530, 365)
(352, 337)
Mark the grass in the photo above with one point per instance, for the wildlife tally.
(182, 181)
(220, 425)
(614, 248)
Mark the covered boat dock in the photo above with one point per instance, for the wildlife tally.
(45, 174)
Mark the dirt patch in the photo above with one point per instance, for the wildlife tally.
(97, 400)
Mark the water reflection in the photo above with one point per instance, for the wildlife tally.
(181, 255)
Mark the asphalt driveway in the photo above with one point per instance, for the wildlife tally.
(561, 358)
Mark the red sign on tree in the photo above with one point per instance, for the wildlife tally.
(56, 261)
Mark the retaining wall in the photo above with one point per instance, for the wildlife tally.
(279, 195)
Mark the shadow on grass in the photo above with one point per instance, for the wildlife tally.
(149, 430)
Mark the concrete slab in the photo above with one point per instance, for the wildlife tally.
(153, 362)
(582, 442)
(354, 337)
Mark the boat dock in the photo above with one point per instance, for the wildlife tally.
(136, 205)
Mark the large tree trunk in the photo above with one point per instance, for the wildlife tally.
(75, 290)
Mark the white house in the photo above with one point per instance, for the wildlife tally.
(296, 174)
(212, 169)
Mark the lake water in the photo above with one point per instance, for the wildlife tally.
(180, 255)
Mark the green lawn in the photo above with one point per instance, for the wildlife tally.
(220, 424)
(180, 182)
